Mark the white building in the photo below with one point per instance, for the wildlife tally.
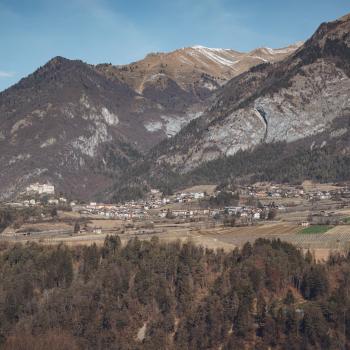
(233, 210)
(41, 188)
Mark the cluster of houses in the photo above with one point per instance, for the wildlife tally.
(138, 211)
(51, 201)
(184, 213)
(128, 211)
(248, 212)
(244, 214)
(184, 197)
(157, 205)
(144, 209)
(289, 191)
(272, 191)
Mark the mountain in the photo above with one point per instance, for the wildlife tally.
(182, 81)
(285, 101)
(54, 122)
(75, 125)
(197, 70)
(301, 102)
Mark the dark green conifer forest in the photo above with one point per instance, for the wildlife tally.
(152, 295)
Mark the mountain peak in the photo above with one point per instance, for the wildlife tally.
(335, 30)
(280, 51)
(59, 59)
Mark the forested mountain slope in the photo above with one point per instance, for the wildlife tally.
(148, 295)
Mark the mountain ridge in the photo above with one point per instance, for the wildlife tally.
(77, 125)
(242, 100)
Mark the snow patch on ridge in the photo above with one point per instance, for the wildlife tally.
(259, 58)
(213, 55)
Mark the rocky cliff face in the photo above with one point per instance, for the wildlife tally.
(288, 100)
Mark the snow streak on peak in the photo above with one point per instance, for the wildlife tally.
(216, 55)
(200, 47)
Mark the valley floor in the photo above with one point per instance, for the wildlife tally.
(204, 234)
(294, 223)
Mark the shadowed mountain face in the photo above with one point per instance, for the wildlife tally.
(75, 125)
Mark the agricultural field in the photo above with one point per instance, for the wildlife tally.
(315, 229)
(204, 231)
(106, 224)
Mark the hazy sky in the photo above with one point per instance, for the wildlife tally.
(121, 31)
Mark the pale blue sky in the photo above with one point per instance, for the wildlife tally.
(121, 31)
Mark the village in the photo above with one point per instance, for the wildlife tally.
(208, 214)
(190, 203)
